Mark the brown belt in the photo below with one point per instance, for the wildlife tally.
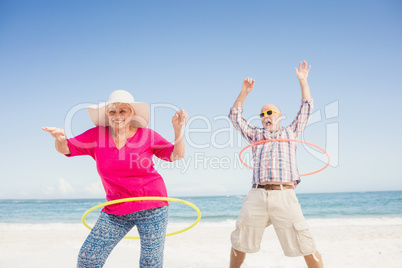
(273, 186)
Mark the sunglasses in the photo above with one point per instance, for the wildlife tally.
(268, 113)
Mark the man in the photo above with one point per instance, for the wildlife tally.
(272, 199)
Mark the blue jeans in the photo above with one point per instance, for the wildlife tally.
(110, 229)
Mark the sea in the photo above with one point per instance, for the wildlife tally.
(361, 206)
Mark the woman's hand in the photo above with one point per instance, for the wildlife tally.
(248, 85)
(60, 139)
(302, 72)
(179, 119)
(57, 133)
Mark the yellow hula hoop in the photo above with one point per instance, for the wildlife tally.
(131, 199)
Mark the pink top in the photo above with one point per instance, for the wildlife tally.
(128, 172)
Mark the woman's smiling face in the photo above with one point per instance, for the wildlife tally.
(119, 115)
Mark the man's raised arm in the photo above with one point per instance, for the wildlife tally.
(248, 85)
(235, 116)
(302, 74)
(306, 108)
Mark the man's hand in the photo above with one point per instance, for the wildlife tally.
(248, 85)
(302, 72)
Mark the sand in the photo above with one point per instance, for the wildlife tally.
(342, 243)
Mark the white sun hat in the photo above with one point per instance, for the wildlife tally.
(98, 116)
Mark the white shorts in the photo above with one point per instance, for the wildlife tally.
(280, 208)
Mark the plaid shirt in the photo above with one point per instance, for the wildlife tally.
(274, 161)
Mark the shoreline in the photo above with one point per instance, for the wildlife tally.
(316, 221)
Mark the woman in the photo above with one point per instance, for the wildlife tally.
(123, 147)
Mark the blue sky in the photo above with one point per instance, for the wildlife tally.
(59, 55)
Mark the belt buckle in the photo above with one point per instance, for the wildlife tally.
(268, 187)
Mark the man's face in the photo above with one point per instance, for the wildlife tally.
(271, 123)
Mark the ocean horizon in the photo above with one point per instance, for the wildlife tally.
(381, 204)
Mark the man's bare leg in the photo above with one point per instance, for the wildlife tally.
(236, 258)
(314, 260)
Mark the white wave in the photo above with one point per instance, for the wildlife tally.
(385, 221)
(40, 226)
(355, 221)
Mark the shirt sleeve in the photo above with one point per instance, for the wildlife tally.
(302, 117)
(161, 147)
(83, 144)
(247, 130)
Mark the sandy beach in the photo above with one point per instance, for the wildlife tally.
(342, 243)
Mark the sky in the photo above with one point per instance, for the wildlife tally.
(57, 57)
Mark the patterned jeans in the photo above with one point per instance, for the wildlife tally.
(110, 229)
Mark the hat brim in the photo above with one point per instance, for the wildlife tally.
(97, 114)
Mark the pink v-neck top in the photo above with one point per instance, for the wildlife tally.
(128, 171)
